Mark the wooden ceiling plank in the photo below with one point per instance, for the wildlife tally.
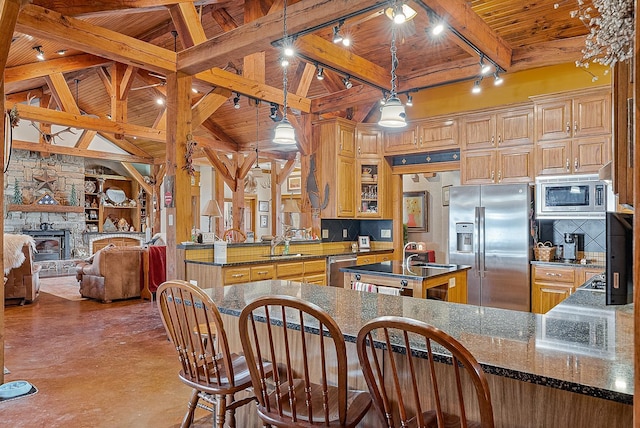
(343, 99)
(187, 23)
(61, 93)
(106, 80)
(133, 172)
(73, 151)
(461, 16)
(214, 129)
(325, 52)
(258, 35)
(99, 8)
(548, 53)
(86, 122)
(85, 139)
(78, 34)
(207, 105)
(125, 145)
(57, 65)
(224, 19)
(251, 88)
(9, 11)
(215, 144)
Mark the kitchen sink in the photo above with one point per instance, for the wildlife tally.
(432, 265)
(285, 256)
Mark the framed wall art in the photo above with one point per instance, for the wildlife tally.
(294, 183)
(263, 206)
(264, 221)
(414, 210)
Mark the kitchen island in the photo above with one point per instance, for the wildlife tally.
(543, 370)
(423, 280)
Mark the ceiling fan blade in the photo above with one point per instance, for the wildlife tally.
(148, 86)
(157, 76)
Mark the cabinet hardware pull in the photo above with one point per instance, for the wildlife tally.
(493, 138)
(263, 272)
(492, 174)
(500, 176)
(237, 275)
(575, 126)
(550, 290)
(415, 141)
(568, 165)
(359, 151)
(575, 164)
(568, 128)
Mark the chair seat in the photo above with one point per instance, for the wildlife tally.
(242, 378)
(357, 401)
(431, 421)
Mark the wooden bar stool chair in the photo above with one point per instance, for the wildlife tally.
(309, 388)
(195, 328)
(411, 390)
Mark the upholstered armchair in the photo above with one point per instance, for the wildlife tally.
(21, 273)
(112, 273)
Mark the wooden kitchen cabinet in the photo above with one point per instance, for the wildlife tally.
(401, 142)
(438, 134)
(550, 285)
(368, 141)
(335, 163)
(365, 259)
(503, 128)
(579, 114)
(372, 184)
(575, 156)
(505, 165)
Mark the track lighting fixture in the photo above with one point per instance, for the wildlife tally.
(160, 101)
(476, 87)
(347, 82)
(273, 111)
(337, 38)
(319, 73)
(39, 52)
(61, 52)
(398, 15)
(437, 28)
(400, 12)
(288, 51)
(236, 102)
(484, 68)
(284, 62)
(409, 101)
(497, 81)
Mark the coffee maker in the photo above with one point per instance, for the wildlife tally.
(570, 247)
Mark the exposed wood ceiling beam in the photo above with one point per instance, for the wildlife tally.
(61, 93)
(548, 53)
(94, 8)
(461, 16)
(252, 89)
(137, 176)
(58, 65)
(218, 133)
(207, 105)
(73, 151)
(78, 34)
(187, 22)
(215, 144)
(44, 115)
(259, 34)
(125, 145)
(325, 52)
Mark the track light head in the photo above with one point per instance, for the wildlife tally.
(319, 73)
(337, 38)
(476, 87)
(398, 14)
(39, 52)
(409, 101)
(236, 102)
(347, 82)
(273, 111)
(484, 68)
(497, 81)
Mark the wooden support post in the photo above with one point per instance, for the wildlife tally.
(179, 218)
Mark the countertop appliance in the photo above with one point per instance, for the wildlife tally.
(571, 196)
(335, 278)
(489, 229)
(570, 247)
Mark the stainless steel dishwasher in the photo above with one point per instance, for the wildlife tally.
(335, 277)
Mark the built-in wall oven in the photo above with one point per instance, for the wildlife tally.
(571, 196)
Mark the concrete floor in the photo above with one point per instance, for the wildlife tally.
(94, 364)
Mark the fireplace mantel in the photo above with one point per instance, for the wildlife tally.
(45, 208)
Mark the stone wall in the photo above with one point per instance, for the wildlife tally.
(37, 175)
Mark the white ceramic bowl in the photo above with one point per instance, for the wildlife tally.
(15, 388)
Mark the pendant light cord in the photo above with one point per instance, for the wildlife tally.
(394, 63)
(284, 69)
(257, 131)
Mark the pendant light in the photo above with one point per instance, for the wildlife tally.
(284, 132)
(392, 114)
(256, 167)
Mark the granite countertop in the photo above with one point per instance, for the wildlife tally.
(559, 263)
(396, 269)
(507, 343)
(294, 256)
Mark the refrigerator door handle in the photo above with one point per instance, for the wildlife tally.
(476, 240)
(481, 244)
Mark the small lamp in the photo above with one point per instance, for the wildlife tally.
(290, 206)
(212, 210)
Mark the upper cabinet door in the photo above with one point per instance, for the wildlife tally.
(592, 115)
(346, 139)
(368, 141)
(553, 120)
(479, 131)
(404, 141)
(438, 134)
(515, 127)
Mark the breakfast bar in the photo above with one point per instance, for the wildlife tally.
(533, 361)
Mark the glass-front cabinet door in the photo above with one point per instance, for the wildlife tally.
(369, 187)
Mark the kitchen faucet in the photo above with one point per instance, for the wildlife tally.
(405, 259)
(277, 240)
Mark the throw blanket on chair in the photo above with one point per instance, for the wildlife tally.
(13, 256)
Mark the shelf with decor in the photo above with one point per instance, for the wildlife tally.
(114, 199)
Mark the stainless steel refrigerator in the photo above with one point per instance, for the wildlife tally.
(489, 229)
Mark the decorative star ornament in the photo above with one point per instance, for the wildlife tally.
(45, 180)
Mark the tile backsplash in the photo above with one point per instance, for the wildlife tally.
(335, 229)
(593, 233)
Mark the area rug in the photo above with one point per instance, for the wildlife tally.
(66, 287)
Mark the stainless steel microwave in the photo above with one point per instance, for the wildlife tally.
(571, 196)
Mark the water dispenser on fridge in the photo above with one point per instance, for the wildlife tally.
(464, 236)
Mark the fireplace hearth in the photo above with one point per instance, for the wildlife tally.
(51, 244)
